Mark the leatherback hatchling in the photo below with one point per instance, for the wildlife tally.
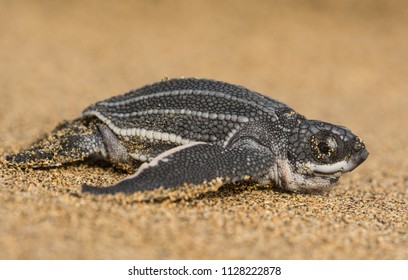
(193, 131)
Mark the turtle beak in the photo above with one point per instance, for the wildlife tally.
(359, 157)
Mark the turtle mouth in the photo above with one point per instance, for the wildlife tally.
(338, 168)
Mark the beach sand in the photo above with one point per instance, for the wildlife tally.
(344, 63)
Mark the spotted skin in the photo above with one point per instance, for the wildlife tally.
(192, 131)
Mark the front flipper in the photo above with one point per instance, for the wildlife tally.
(194, 164)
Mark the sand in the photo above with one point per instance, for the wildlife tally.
(344, 63)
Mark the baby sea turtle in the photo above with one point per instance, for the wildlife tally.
(193, 131)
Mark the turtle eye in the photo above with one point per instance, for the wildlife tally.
(324, 147)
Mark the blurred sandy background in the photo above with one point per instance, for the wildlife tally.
(344, 62)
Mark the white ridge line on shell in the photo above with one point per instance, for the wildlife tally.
(229, 136)
(186, 92)
(141, 132)
(207, 115)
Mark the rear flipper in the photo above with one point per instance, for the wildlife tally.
(69, 142)
(195, 164)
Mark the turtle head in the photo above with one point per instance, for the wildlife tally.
(319, 153)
